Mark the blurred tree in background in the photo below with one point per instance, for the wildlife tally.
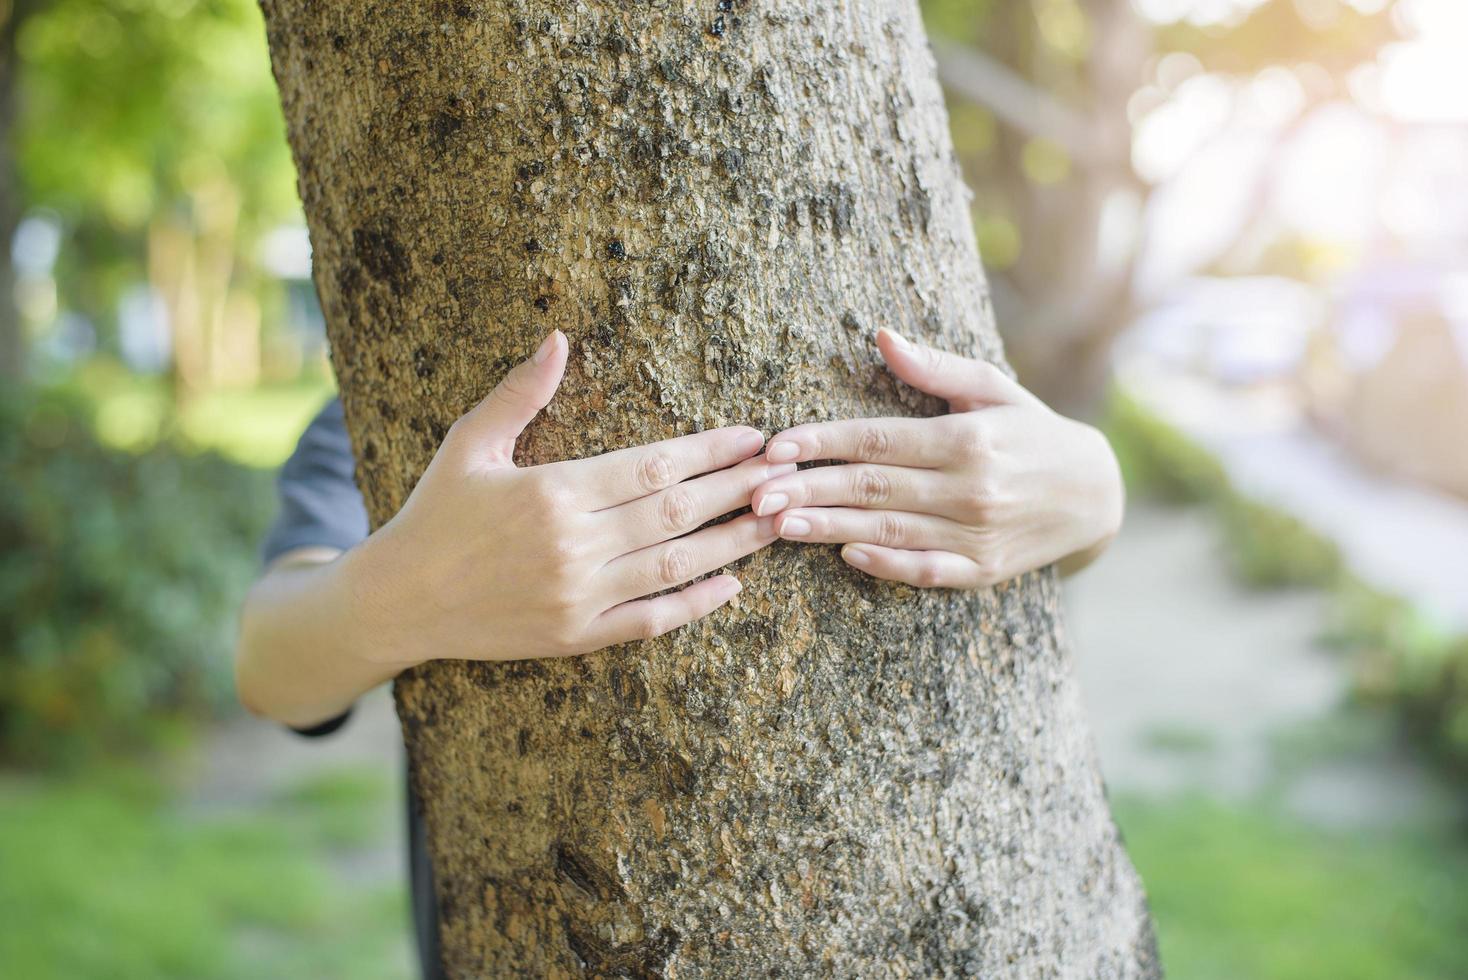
(150, 135)
(1046, 97)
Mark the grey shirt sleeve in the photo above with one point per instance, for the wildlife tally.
(320, 505)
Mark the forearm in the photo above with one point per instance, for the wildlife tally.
(301, 656)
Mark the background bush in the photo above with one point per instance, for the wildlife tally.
(120, 575)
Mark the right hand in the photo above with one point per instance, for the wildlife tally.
(489, 561)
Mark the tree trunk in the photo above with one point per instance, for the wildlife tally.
(718, 203)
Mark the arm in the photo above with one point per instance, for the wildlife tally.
(301, 649)
(998, 487)
(490, 561)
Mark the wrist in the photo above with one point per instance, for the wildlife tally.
(373, 625)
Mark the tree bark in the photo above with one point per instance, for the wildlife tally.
(718, 202)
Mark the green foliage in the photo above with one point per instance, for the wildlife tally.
(1158, 461)
(1403, 658)
(1248, 892)
(105, 876)
(119, 578)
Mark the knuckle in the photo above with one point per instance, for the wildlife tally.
(889, 530)
(971, 441)
(564, 637)
(675, 511)
(654, 472)
(874, 442)
(986, 572)
(653, 624)
(674, 565)
(548, 497)
(982, 502)
(871, 486)
(929, 576)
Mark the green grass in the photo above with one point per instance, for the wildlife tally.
(1249, 893)
(104, 876)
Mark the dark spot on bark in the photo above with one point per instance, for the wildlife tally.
(424, 362)
(627, 688)
(542, 303)
(532, 169)
(850, 322)
(678, 775)
(586, 874)
(616, 250)
(726, 5)
(645, 959)
(446, 122)
(554, 698)
(339, 42)
(532, 246)
(717, 27)
(522, 741)
(437, 258)
(463, 11)
(732, 161)
(369, 451)
(383, 256)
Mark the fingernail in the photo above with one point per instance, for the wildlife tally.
(856, 556)
(544, 350)
(795, 527)
(749, 441)
(736, 588)
(772, 503)
(897, 339)
(782, 452)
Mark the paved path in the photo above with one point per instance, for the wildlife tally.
(1195, 684)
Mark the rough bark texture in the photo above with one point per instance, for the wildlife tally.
(718, 202)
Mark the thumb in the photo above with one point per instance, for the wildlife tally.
(965, 383)
(496, 422)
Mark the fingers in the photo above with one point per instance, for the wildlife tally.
(963, 382)
(924, 569)
(685, 506)
(643, 619)
(492, 426)
(890, 528)
(855, 485)
(663, 566)
(900, 441)
(626, 474)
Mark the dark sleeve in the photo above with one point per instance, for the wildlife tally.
(320, 505)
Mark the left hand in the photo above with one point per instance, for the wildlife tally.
(1000, 486)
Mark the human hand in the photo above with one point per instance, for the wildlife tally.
(998, 487)
(489, 561)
